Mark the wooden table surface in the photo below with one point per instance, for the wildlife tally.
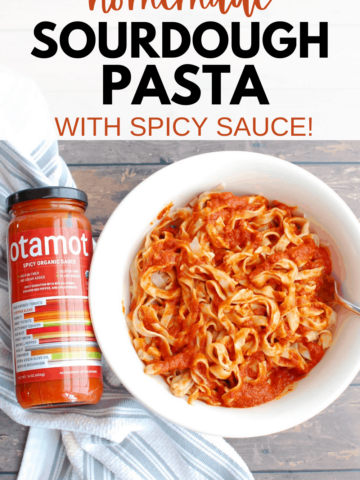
(327, 447)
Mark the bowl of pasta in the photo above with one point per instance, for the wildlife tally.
(210, 298)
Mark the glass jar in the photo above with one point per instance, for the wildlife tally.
(57, 360)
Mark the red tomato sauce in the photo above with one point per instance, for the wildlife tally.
(280, 380)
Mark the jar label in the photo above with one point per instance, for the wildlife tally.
(52, 333)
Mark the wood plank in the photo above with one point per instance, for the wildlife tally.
(341, 475)
(124, 152)
(329, 441)
(12, 444)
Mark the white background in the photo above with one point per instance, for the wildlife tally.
(328, 90)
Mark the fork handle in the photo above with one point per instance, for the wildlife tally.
(346, 304)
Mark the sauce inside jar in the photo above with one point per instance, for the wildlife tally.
(56, 357)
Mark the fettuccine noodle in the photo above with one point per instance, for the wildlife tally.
(224, 300)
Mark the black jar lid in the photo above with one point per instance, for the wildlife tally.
(45, 192)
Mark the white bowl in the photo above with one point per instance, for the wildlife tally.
(242, 173)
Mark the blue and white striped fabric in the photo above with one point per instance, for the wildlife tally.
(119, 437)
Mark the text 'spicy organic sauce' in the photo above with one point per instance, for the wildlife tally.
(56, 357)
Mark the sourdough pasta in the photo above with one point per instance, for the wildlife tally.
(224, 300)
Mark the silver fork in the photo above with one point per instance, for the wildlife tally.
(345, 303)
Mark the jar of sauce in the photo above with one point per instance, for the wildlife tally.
(57, 360)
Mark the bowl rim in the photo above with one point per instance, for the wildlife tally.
(95, 279)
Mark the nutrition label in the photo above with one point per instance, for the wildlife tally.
(53, 338)
(24, 341)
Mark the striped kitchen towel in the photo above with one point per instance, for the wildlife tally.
(119, 437)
